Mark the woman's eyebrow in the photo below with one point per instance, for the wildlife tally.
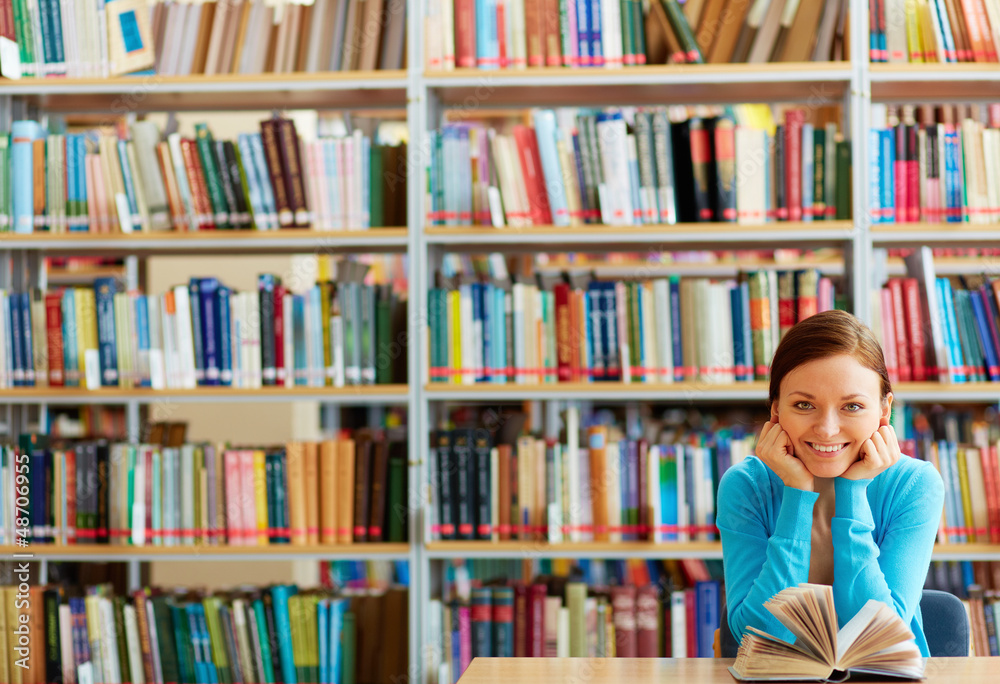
(843, 398)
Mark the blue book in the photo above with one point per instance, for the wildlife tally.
(211, 329)
(485, 299)
(612, 360)
(22, 136)
(104, 294)
(474, 291)
(28, 347)
(299, 333)
(887, 181)
(595, 316)
(14, 322)
(265, 642)
(128, 178)
(985, 338)
(323, 635)
(482, 622)
(264, 180)
(875, 167)
(596, 39)
(707, 615)
(330, 161)
(337, 609)
(953, 176)
(211, 672)
(582, 35)
(958, 365)
(283, 625)
(70, 351)
(736, 306)
(746, 332)
(198, 337)
(808, 170)
(223, 338)
(253, 183)
(675, 329)
(142, 340)
(545, 135)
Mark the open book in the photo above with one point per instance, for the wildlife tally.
(875, 641)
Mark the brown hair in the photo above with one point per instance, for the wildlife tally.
(829, 333)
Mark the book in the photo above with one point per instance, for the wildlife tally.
(875, 641)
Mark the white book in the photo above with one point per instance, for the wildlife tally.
(133, 644)
(682, 494)
(494, 494)
(185, 336)
(66, 644)
(139, 503)
(678, 625)
(253, 315)
(562, 636)
(180, 174)
(288, 372)
(109, 643)
(655, 511)
(649, 333)
(664, 330)
(97, 657)
(187, 522)
(572, 460)
(555, 506)
(154, 643)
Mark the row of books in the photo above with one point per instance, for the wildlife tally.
(555, 618)
(256, 37)
(633, 167)
(977, 585)
(518, 34)
(204, 333)
(594, 485)
(941, 169)
(275, 633)
(140, 180)
(97, 39)
(661, 330)
(338, 491)
(934, 31)
(943, 332)
(970, 326)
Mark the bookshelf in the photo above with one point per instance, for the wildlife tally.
(426, 97)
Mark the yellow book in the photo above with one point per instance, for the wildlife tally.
(963, 483)
(328, 491)
(199, 533)
(260, 495)
(455, 336)
(10, 615)
(914, 42)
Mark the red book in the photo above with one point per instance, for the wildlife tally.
(647, 608)
(503, 491)
(900, 171)
(915, 328)
(504, 58)
(564, 332)
(912, 175)
(465, 33)
(623, 600)
(536, 625)
(279, 333)
(990, 475)
(701, 160)
(70, 521)
(642, 446)
(534, 31)
(204, 218)
(793, 163)
(899, 326)
(553, 40)
(521, 621)
(691, 609)
(54, 338)
(534, 179)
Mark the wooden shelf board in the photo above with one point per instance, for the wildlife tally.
(665, 236)
(921, 233)
(112, 395)
(517, 546)
(655, 84)
(100, 551)
(212, 241)
(356, 89)
(614, 391)
(935, 82)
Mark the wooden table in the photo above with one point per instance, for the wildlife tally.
(662, 670)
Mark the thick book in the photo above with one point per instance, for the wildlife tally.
(875, 641)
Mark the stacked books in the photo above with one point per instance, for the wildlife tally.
(137, 180)
(336, 333)
(502, 34)
(254, 634)
(578, 329)
(636, 167)
(338, 491)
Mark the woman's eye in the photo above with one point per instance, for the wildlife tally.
(803, 405)
(854, 407)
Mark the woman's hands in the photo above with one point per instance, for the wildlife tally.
(878, 452)
(774, 448)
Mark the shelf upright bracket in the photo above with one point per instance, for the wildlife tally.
(417, 428)
(134, 575)
(858, 107)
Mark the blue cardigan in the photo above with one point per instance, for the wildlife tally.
(883, 534)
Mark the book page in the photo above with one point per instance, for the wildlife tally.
(875, 628)
(798, 609)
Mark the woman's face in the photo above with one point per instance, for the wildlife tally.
(828, 408)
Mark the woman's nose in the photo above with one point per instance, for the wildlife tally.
(827, 425)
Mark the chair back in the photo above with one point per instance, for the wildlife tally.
(946, 626)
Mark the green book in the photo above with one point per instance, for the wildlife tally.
(264, 640)
(216, 197)
(679, 23)
(164, 638)
(219, 653)
(383, 335)
(843, 180)
(244, 184)
(397, 503)
(348, 645)
(183, 639)
(627, 32)
(295, 619)
(376, 195)
(118, 605)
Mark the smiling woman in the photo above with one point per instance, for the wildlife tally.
(828, 498)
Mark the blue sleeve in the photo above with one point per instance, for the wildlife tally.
(758, 565)
(893, 568)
